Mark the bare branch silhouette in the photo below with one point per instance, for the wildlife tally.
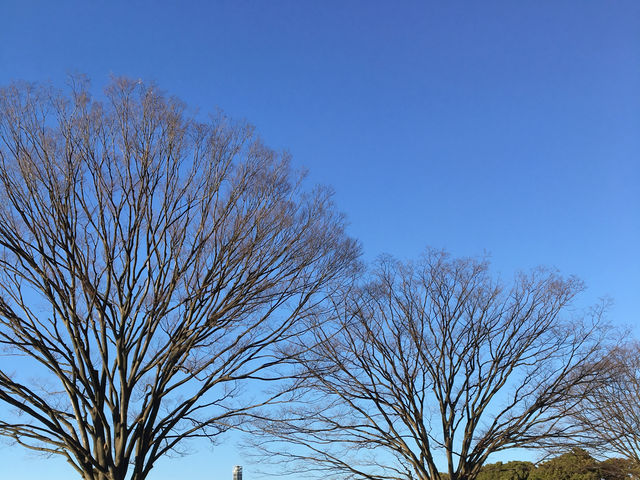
(150, 265)
(429, 361)
(610, 412)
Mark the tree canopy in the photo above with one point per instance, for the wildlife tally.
(151, 264)
(435, 359)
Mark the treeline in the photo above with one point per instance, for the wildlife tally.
(577, 464)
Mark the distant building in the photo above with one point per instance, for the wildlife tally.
(237, 472)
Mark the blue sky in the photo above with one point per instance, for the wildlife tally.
(507, 127)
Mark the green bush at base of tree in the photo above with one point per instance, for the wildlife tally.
(506, 471)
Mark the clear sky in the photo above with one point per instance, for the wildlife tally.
(511, 127)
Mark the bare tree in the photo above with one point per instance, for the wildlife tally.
(434, 362)
(150, 266)
(610, 412)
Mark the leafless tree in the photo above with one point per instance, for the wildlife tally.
(434, 362)
(150, 266)
(610, 412)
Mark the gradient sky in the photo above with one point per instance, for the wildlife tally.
(511, 127)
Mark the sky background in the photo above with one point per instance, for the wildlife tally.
(508, 127)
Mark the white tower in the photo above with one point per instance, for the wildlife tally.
(237, 472)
